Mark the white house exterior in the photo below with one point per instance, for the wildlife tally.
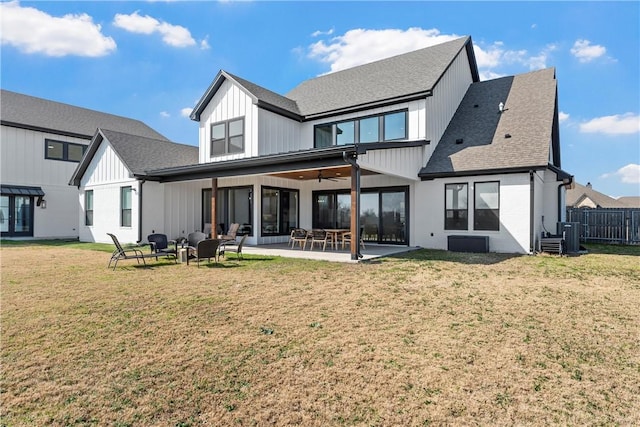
(414, 144)
(41, 144)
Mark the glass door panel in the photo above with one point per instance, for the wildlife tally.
(324, 212)
(369, 215)
(4, 214)
(344, 211)
(22, 214)
(393, 217)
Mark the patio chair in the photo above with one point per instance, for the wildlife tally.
(233, 248)
(299, 235)
(129, 253)
(207, 248)
(159, 244)
(320, 237)
(231, 233)
(346, 238)
(192, 242)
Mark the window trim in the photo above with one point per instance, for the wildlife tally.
(65, 150)
(356, 120)
(446, 227)
(475, 209)
(123, 210)
(87, 222)
(227, 137)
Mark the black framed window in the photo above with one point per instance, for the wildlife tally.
(125, 206)
(486, 210)
(62, 150)
(280, 211)
(378, 128)
(88, 207)
(233, 205)
(227, 137)
(456, 214)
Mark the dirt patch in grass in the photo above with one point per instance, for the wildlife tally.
(427, 339)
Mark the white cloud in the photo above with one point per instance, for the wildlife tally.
(496, 56)
(361, 46)
(164, 114)
(204, 43)
(586, 52)
(629, 174)
(33, 31)
(186, 112)
(619, 124)
(563, 117)
(322, 33)
(173, 35)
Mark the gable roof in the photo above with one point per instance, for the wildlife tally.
(29, 112)
(630, 201)
(412, 73)
(139, 154)
(388, 80)
(577, 195)
(479, 138)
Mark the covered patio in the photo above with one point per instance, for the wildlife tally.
(371, 252)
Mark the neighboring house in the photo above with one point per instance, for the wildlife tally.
(41, 144)
(630, 201)
(413, 149)
(584, 196)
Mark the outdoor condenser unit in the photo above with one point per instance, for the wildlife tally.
(571, 232)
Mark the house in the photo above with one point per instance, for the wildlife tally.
(42, 143)
(584, 196)
(412, 150)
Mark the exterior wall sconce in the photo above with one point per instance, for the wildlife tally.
(43, 204)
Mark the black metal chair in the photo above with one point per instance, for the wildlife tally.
(226, 247)
(207, 248)
(129, 253)
(160, 245)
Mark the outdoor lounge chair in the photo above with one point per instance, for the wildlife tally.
(129, 253)
(233, 248)
(207, 248)
(160, 246)
(231, 233)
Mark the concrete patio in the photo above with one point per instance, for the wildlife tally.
(372, 251)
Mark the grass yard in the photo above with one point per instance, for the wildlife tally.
(431, 338)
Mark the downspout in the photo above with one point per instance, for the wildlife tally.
(355, 238)
(531, 212)
(566, 185)
(140, 210)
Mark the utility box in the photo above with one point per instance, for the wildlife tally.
(468, 243)
(570, 231)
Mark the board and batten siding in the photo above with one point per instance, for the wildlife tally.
(229, 102)
(22, 154)
(277, 134)
(447, 95)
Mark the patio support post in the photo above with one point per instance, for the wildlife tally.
(214, 216)
(355, 209)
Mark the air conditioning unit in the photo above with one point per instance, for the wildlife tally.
(571, 233)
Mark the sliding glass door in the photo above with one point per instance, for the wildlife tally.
(383, 213)
(233, 205)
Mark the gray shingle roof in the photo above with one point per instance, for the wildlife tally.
(529, 118)
(390, 78)
(139, 154)
(36, 113)
(579, 192)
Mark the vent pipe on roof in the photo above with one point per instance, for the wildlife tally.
(501, 107)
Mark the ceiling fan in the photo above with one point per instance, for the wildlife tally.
(328, 178)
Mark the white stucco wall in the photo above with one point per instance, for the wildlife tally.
(513, 236)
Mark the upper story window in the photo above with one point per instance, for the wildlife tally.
(62, 150)
(379, 128)
(227, 137)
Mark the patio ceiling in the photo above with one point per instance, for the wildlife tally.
(336, 173)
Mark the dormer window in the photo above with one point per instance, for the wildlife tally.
(227, 137)
(378, 128)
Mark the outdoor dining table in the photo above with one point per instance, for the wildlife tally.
(335, 232)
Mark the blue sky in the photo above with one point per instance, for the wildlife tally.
(153, 60)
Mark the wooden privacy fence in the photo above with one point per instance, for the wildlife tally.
(607, 225)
